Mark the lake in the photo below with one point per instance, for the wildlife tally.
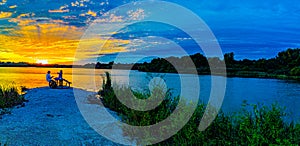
(266, 91)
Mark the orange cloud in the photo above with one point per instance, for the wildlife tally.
(22, 21)
(12, 7)
(94, 14)
(58, 11)
(55, 43)
(26, 15)
(5, 14)
(63, 7)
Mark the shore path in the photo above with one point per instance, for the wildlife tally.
(51, 117)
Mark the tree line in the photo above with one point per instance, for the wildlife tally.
(286, 63)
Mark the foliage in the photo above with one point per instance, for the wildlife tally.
(285, 63)
(229, 58)
(111, 101)
(295, 71)
(253, 125)
(10, 96)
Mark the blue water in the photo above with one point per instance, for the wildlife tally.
(253, 90)
(264, 91)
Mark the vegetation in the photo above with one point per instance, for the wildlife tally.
(10, 96)
(286, 65)
(253, 125)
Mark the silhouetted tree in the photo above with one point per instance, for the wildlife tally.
(229, 59)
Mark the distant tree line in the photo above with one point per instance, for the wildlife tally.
(25, 64)
(99, 65)
(286, 63)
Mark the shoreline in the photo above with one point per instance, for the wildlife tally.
(237, 74)
(51, 117)
(242, 74)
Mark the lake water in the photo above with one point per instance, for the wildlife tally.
(266, 91)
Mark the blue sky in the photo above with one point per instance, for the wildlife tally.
(251, 29)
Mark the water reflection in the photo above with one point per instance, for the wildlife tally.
(266, 91)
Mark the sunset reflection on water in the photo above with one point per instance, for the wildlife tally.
(36, 77)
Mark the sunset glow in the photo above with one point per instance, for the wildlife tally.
(42, 61)
(53, 39)
(56, 43)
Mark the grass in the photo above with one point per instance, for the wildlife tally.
(255, 124)
(10, 96)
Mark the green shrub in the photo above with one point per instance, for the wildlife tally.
(10, 95)
(253, 125)
(264, 125)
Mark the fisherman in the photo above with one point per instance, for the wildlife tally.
(48, 76)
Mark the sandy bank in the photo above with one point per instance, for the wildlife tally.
(51, 117)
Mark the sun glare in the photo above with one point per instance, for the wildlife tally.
(42, 61)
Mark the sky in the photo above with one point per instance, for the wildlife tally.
(51, 31)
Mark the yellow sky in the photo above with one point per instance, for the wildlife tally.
(55, 43)
(28, 33)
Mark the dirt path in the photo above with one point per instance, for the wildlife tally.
(51, 117)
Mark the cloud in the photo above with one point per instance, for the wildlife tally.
(13, 6)
(5, 14)
(94, 14)
(59, 22)
(26, 15)
(110, 18)
(50, 41)
(2, 2)
(80, 3)
(22, 21)
(58, 11)
(11, 57)
(130, 15)
(62, 9)
(138, 14)
(92, 47)
(55, 43)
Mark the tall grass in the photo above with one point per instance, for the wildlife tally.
(10, 95)
(253, 125)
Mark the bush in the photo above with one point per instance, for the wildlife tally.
(253, 125)
(10, 96)
(295, 71)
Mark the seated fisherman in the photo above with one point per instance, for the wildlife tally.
(48, 76)
(59, 75)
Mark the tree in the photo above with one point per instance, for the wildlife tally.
(98, 65)
(229, 59)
